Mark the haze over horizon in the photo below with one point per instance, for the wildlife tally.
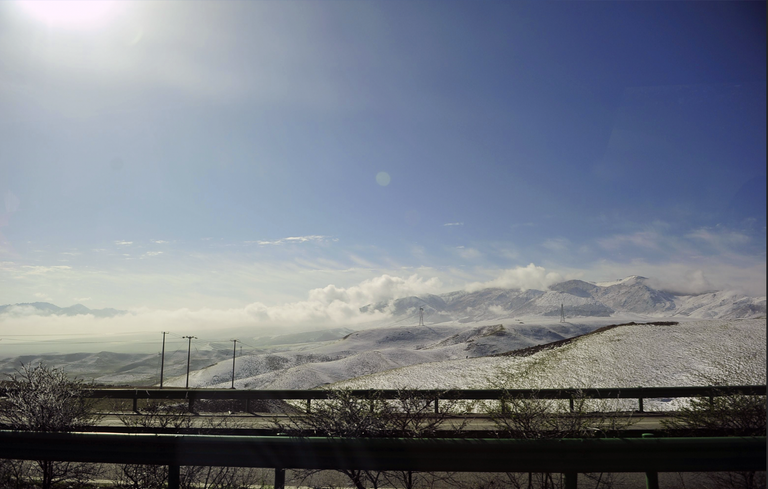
(301, 159)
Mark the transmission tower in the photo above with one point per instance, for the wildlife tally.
(421, 316)
(562, 313)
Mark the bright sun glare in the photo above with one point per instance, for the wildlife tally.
(70, 13)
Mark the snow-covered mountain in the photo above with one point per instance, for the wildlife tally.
(632, 295)
(48, 309)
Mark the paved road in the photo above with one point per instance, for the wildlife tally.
(265, 421)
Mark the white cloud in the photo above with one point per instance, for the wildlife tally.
(530, 277)
(295, 239)
(324, 307)
(151, 253)
(379, 289)
(690, 282)
(160, 241)
(453, 224)
(123, 243)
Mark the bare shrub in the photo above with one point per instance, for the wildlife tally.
(41, 398)
(157, 414)
(531, 417)
(730, 414)
(343, 415)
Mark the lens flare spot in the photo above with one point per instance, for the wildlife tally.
(382, 178)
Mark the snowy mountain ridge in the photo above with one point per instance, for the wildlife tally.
(631, 295)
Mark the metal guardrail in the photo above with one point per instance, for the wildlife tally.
(639, 393)
(567, 456)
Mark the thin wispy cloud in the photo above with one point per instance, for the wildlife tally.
(38, 270)
(556, 245)
(719, 239)
(468, 253)
(123, 243)
(453, 224)
(294, 240)
(640, 239)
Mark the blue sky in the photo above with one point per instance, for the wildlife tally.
(224, 155)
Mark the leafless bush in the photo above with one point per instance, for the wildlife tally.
(176, 417)
(732, 414)
(158, 415)
(40, 398)
(531, 417)
(342, 415)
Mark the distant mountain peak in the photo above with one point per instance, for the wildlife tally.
(48, 309)
(576, 298)
(632, 279)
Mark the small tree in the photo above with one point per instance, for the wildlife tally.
(531, 417)
(176, 418)
(42, 398)
(344, 415)
(733, 414)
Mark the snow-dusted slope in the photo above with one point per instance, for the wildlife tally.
(704, 352)
(380, 349)
(724, 304)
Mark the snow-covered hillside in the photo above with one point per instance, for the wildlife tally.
(380, 349)
(702, 352)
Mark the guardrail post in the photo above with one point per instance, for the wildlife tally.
(279, 478)
(651, 478)
(247, 405)
(135, 402)
(174, 476)
(570, 402)
(191, 404)
(437, 407)
(640, 401)
(309, 406)
(571, 479)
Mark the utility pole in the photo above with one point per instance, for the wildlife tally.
(234, 351)
(421, 316)
(562, 313)
(162, 359)
(189, 352)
